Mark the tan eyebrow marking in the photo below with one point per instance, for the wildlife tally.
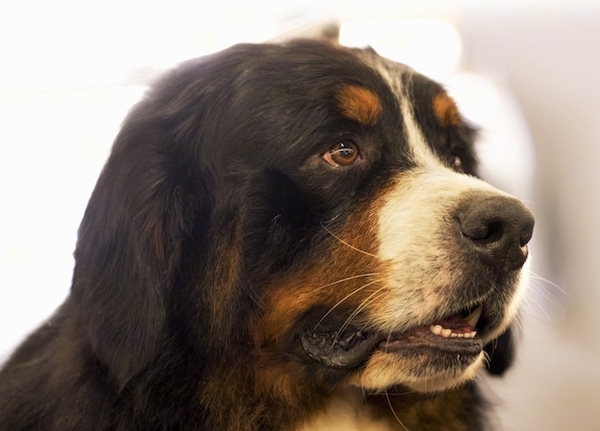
(446, 111)
(359, 104)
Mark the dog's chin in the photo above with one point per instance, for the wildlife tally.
(423, 370)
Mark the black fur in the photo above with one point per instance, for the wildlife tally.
(208, 173)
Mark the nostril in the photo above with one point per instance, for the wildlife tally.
(526, 233)
(482, 231)
(495, 231)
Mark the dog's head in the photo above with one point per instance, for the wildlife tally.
(311, 209)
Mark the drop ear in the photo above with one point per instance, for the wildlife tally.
(148, 218)
(501, 353)
(129, 251)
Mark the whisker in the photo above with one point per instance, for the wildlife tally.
(530, 300)
(546, 293)
(368, 300)
(389, 402)
(358, 309)
(519, 322)
(539, 279)
(342, 280)
(348, 244)
(543, 294)
(344, 299)
(391, 332)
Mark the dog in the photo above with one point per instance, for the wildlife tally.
(286, 236)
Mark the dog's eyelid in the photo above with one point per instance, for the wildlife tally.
(343, 153)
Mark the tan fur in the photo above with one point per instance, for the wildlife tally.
(446, 111)
(359, 104)
(355, 410)
(346, 411)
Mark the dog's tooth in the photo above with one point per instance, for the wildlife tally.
(473, 318)
(436, 329)
(447, 333)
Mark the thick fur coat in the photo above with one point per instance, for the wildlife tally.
(285, 237)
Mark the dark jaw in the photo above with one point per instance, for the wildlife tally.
(351, 347)
(422, 338)
(345, 350)
(354, 347)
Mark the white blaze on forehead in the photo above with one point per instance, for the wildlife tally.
(399, 77)
(421, 152)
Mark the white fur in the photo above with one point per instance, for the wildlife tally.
(421, 257)
(346, 411)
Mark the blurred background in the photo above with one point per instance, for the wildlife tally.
(527, 72)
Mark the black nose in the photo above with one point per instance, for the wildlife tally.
(497, 229)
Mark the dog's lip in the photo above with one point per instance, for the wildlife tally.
(351, 347)
(345, 349)
(423, 338)
(456, 333)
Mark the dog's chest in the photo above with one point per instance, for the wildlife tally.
(345, 412)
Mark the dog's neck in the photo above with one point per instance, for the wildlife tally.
(347, 411)
(352, 410)
(292, 406)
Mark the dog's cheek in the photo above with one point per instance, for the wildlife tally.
(276, 223)
(414, 253)
(338, 272)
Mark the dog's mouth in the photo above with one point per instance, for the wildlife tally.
(350, 346)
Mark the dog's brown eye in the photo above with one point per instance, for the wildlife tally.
(342, 154)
